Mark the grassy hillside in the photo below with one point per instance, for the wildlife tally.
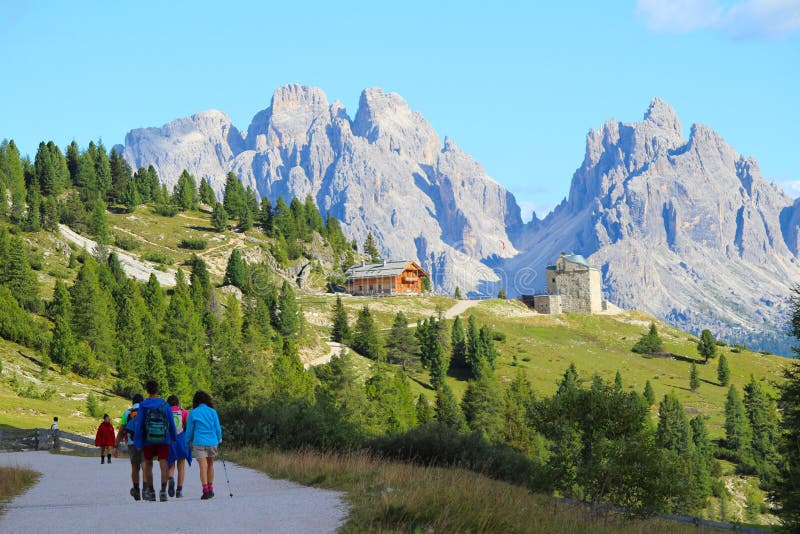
(30, 399)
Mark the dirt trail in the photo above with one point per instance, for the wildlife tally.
(133, 267)
(77, 494)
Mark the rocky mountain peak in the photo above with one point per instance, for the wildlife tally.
(385, 119)
(290, 115)
(663, 116)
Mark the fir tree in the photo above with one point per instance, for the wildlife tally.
(482, 406)
(762, 413)
(219, 217)
(787, 486)
(694, 379)
(401, 344)
(155, 368)
(236, 270)
(649, 343)
(98, 224)
(458, 344)
(15, 181)
(366, 336)
(154, 298)
(182, 344)
(673, 431)
(447, 410)
(131, 197)
(63, 349)
(475, 357)
(289, 318)
(18, 276)
(341, 329)
(130, 347)
(60, 306)
(649, 394)
(424, 410)
(234, 195)
(457, 293)
(738, 434)
(200, 283)
(93, 314)
(391, 405)
(289, 378)
(707, 347)
(207, 193)
(502, 293)
(618, 381)
(723, 371)
(371, 249)
(516, 429)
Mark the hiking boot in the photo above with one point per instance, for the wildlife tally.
(171, 485)
(136, 494)
(102, 459)
(206, 496)
(162, 495)
(149, 494)
(179, 493)
(211, 494)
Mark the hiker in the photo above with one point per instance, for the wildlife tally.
(134, 454)
(203, 436)
(178, 452)
(105, 439)
(54, 433)
(153, 432)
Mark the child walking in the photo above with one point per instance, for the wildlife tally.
(105, 439)
(203, 435)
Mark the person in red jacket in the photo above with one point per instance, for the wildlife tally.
(105, 439)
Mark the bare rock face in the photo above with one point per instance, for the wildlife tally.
(385, 171)
(688, 231)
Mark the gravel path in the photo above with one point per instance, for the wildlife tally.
(77, 494)
(460, 307)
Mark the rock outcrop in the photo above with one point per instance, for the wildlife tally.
(687, 230)
(385, 171)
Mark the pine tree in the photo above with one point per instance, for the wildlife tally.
(401, 345)
(516, 429)
(391, 406)
(18, 276)
(131, 197)
(707, 347)
(424, 411)
(458, 344)
(649, 394)
(694, 379)
(200, 283)
(618, 381)
(236, 270)
(98, 224)
(93, 313)
(265, 216)
(787, 486)
(649, 343)
(156, 369)
(290, 380)
(366, 337)
(15, 181)
(60, 306)
(207, 193)
(219, 217)
(153, 297)
(233, 196)
(371, 249)
(723, 372)
(673, 431)
(457, 293)
(341, 329)
(762, 413)
(483, 407)
(502, 293)
(289, 318)
(313, 217)
(63, 349)
(738, 434)
(447, 410)
(130, 347)
(475, 358)
(182, 344)
(102, 171)
(439, 363)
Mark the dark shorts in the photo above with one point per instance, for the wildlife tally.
(135, 455)
(152, 451)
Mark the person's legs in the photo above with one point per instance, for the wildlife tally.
(136, 465)
(181, 472)
(163, 455)
(148, 492)
(203, 463)
(102, 454)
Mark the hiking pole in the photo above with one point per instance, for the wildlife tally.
(225, 468)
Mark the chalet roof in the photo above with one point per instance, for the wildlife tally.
(574, 258)
(379, 270)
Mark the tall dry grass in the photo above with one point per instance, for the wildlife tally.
(13, 481)
(397, 497)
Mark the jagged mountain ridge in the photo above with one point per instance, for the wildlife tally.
(688, 230)
(685, 229)
(385, 171)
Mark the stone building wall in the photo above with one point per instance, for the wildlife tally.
(580, 288)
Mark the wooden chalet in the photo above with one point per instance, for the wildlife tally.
(385, 278)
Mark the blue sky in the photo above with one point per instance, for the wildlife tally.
(516, 84)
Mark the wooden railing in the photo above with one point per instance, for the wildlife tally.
(39, 439)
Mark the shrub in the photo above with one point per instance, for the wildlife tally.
(720, 343)
(127, 388)
(157, 257)
(498, 336)
(126, 242)
(93, 407)
(166, 210)
(193, 244)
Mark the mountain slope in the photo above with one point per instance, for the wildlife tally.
(685, 230)
(385, 171)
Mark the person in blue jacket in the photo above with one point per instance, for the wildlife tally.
(153, 434)
(203, 436)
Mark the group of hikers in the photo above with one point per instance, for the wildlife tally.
(161, 430)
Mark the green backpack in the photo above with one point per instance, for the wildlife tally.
(156, 425)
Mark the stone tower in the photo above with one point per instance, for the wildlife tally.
(576, 283)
